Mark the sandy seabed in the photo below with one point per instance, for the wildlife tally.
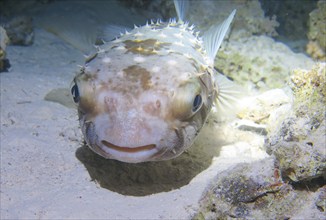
(48, 173)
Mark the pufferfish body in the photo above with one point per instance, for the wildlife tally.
(145, 95)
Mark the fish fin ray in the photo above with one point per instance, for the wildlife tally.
(214, 36)
(61, 96)
(181, 6)
(228, 96)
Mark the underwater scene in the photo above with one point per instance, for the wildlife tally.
(162, 109)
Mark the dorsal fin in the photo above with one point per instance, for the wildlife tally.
(181, 6)
(214, 36)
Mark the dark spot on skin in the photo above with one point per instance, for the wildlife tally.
(144, 47)
(136, 74)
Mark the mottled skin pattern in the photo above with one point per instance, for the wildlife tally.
(146, 95)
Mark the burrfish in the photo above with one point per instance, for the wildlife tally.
(145, 95)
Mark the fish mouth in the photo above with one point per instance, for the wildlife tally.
(129, 149)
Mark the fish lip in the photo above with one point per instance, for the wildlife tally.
(129, 149)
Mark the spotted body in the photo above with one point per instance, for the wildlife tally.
(145, 95)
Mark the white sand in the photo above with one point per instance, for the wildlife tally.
(43, 160)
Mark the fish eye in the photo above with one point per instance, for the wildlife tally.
(187, 100)
(197, 103)
(75, 93)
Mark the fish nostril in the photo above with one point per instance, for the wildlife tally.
(158, 104)
(153, 108)
(128, 149)
(111, 103)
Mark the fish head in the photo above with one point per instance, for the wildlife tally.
(139, 112)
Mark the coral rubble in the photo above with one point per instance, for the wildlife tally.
(257, 191)
(4, 40)
(258, 62)
(299, 144)
(290, 183)
(317, 32)
(20, 30)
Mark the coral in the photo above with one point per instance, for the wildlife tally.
(260, 63)
(306, 82)
(256, 191)
(299, 143)
(309, 87)
(301, 161)
(314, 207)
(315, 51)
(229, 193)
(259, 108)
(317, 32)
(20, 30)
(250, 19)
(293, 19)
(320, 199)
(4, 40)
(289, 183)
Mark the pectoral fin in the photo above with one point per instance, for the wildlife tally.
(61, 96)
